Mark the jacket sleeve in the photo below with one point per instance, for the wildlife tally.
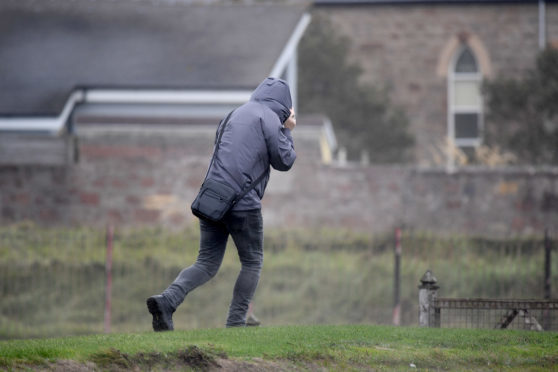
(279, 141)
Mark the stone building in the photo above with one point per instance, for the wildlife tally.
(433, 55)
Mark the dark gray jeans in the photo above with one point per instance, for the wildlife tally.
(246, 229)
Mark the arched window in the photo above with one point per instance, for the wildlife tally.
(465, 101)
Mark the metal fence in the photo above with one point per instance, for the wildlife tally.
(521, 314)
(532, 315)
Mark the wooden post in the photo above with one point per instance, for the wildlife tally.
(428, 292)
(397, 280)
(108, 272)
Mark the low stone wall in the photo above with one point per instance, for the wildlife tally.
(491, 202)
(151, 179)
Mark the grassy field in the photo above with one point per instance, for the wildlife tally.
(52, 280)
(340, 348)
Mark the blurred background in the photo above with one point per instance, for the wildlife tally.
(428, 128)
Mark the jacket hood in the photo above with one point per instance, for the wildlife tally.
(275, 94)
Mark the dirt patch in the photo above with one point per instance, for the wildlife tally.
(191, 358)
(254, 365)
(112, 359)
(60, 366)
(198, 359)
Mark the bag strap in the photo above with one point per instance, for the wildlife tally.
(222, 131)
(217, 141)
(250, 188)
(219, 136)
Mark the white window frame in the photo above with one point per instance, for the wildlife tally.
(454, 77)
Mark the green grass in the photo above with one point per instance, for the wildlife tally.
(332, 347)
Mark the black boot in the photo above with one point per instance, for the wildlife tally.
(159, 307)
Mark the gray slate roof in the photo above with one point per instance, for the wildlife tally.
(49, 47)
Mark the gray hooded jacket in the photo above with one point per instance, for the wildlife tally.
(253, 140)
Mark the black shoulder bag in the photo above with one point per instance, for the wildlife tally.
(216, 198)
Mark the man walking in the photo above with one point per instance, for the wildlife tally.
(257, 136)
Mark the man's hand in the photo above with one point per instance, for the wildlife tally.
(291, 121)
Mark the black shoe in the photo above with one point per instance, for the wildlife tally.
(162, 313)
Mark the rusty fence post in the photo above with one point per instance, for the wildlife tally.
(547, 276)
(547, 265)
(108, 273)
(428, 292)
(396, 318)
